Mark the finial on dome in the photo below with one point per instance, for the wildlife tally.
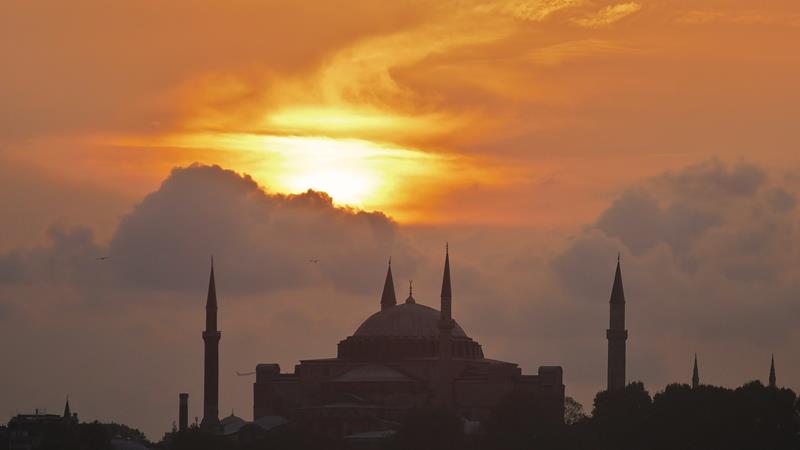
(410, 298)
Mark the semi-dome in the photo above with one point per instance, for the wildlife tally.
(408, 319)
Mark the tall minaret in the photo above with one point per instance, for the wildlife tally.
(617, 334)
(388, 298)
(772, 379)
(695, 374)
(67, 412)
(446, 325)
(211, 338)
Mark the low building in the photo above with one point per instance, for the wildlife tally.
(29, 431)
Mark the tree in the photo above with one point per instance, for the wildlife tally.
(94, 436)
(620, 416)
(118, 430)
(573, 411)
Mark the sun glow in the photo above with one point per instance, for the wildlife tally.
(353, 172)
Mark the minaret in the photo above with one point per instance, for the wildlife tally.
(617, 334)
(695, 374)
(388, 298)
(211, 338)
(772, 379)
(446, 325)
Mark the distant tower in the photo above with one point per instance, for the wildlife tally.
(69, 416)
(211, 338)
(388, 298)
(772, 379)
(617, 334)
(446, 325)
(695, 374)
(183, 412)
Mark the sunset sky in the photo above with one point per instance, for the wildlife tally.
(538, 137)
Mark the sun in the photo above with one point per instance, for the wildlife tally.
(354, 172)
(348, 187)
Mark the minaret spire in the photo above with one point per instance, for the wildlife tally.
(211, 337)
(616, 333)
(695, 374)
(67, 412)
(211, 301)
(388, 298)
(447, 294)
(772, 379)
(446, 325)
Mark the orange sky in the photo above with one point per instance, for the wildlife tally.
(524, 106)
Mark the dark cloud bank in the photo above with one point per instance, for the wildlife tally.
(710, 262)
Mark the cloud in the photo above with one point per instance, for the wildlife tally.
(752, 17)
(537, 10)
(608, 15)
(263, 242)
(704, 207)
(712, 237)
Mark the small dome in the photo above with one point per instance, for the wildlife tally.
(408, 320)
(232, 424)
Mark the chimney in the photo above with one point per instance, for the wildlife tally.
(183, 412)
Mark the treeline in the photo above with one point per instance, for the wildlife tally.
(752, 417)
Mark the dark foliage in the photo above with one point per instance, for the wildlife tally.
(752, 417)
(68, 436)
(120, 431)
(621, 418)
(573, 411)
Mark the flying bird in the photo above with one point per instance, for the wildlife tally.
(103, 258)
(315, 261)
(244, 374)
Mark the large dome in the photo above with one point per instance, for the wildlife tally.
(405, 320)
